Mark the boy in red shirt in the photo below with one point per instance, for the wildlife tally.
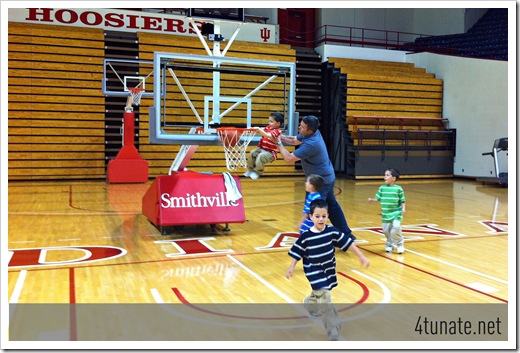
(266, 152)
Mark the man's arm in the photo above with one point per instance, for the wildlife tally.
(287, 156)
(290, 140)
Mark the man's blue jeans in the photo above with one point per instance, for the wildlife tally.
(336, 215)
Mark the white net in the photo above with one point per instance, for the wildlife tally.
(235, 142)
(137, 93)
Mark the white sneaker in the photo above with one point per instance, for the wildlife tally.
(389, 248)
(400, 249)
(254, 175)
(333, 334)
(247, 174)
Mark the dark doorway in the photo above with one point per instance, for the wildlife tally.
(297, 27)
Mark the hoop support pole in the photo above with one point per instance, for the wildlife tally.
(128, 166)
(128, 107)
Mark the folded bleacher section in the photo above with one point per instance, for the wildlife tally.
(487, 39)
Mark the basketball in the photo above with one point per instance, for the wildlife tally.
(229, 137)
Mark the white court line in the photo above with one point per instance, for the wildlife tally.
(264, 282)
(459, 267)
(387, 295)
(156, 296)
(18, 287)
(16, 292)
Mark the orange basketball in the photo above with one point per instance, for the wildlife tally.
(229, 136)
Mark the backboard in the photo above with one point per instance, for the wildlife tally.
(212, 91)
(119, 74)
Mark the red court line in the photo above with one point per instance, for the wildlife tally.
(437, 276)
(216, 255)
(366, 291)
(72, 307)
(363, 298)
(197, 308)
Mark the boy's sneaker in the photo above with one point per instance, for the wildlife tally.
(247, 174)
(254, 175)
(333, 334)
(400, 249)
(389, 248)
(314, 315)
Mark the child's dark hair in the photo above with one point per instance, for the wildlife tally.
(316, 180)
(278, 117)
(318, 204)
(394, 173)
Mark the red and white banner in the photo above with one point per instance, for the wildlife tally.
(133, 21)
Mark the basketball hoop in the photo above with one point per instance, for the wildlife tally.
(235, 142)
(137, 93)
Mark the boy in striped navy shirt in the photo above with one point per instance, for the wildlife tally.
(316, 248)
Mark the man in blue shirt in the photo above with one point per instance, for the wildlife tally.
(315, 160)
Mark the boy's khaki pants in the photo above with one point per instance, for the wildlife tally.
(257, 160)
(319, 303)
(393, 233)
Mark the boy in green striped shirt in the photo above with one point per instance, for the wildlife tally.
(393, 205)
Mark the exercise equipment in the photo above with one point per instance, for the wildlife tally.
(500, 178)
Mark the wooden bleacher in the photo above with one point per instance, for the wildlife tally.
(57, 112)
(56, 109)
(386, 131)
(394, 115)
(390, 96)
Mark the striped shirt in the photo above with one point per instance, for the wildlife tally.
(266, 143)
(391, 198)
(317, 252)
(307, 223)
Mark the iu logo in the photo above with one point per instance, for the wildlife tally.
(265, 34)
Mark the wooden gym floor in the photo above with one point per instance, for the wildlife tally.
(87, 242)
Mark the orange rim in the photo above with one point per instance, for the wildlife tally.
(238, 129)
(135, 89)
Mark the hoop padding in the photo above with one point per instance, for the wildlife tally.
(235, 141)
(136, 93)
